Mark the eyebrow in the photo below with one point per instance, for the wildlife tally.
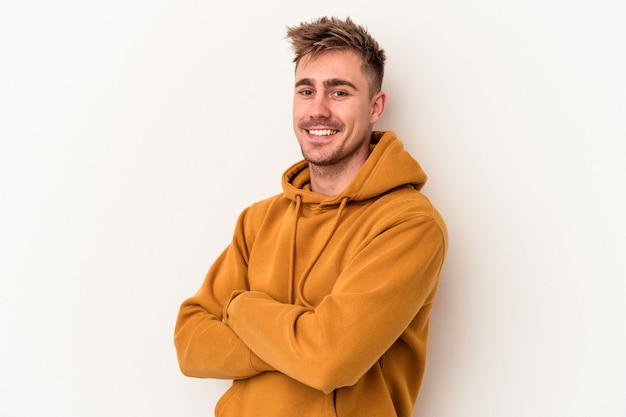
(333, 82)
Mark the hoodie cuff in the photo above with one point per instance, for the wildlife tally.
(256, 363)
(227, 304)
(259, 364)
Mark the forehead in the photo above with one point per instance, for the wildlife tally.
(330, 65)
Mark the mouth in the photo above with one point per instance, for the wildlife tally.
(321, 132)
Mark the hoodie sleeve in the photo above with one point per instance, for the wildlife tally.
(386, 292)
(206, 347)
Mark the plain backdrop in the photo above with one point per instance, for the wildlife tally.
(134, 132)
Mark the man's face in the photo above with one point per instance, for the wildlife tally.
(333, 113)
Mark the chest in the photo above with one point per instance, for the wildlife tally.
(305, 257)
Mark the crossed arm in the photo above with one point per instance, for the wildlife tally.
(228, 331)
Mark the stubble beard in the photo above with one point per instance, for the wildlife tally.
(330, 162)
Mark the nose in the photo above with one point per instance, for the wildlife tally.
(320, 107)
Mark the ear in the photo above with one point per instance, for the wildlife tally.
(378, 106)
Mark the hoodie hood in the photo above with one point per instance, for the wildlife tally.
(388, 166)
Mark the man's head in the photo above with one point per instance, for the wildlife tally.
(331, 34)
(337, 96)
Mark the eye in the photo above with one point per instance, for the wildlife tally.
(306, 92)
(340, 93)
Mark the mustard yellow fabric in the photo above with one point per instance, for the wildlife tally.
(320, 305)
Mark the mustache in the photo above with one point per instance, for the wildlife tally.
(321, 122)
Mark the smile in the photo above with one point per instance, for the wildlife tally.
(322, 132)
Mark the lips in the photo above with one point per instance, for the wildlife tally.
(320, 127)
(322, 132)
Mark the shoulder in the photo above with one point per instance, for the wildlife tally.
(258, 212)
(408, 205)
(407, 201)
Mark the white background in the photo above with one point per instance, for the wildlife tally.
(134, 132)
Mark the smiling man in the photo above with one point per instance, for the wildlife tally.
(320, 305)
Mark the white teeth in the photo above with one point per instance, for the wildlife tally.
(324, 132)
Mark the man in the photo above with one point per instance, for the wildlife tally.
(320, 305)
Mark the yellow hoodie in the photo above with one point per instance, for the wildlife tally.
(320, 305)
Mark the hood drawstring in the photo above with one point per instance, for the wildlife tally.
(292, 254)
(300, 289)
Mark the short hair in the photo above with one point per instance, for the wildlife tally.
(331, 33)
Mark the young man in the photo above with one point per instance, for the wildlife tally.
(320, 305)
